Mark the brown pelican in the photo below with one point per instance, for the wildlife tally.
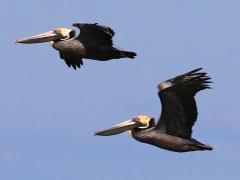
(93, 42)
(173, 131)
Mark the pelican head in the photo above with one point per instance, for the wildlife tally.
(140, 122)
(54, 35)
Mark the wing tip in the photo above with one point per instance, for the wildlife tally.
(195, 70)
(196, 77)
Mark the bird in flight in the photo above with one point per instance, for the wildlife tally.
(94, 42)
(173, 131)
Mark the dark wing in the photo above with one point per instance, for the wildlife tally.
(95, 33)
(71, 60)
(179, 110)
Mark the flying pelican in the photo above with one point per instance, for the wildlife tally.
(93, 42)
(173, 131)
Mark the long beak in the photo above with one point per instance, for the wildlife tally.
(120, 128)
(44, 37)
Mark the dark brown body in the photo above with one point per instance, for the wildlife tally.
(165, 141)
(93, 50)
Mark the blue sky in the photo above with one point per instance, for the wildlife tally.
(50, 112)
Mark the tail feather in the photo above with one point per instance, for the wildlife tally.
(205, 147)
(128, 54)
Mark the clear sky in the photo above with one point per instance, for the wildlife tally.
(50, 112)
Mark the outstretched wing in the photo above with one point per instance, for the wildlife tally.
(71, 59)
(179, 109)
(95, 33)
